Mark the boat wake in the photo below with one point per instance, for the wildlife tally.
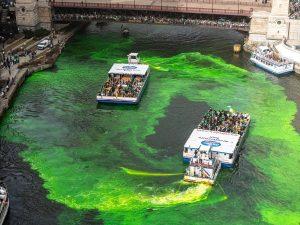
(192, 194)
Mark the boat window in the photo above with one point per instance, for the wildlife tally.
(186, 150)
(230, 156)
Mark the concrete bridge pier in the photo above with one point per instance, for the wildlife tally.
(33, 14)
(274, 26)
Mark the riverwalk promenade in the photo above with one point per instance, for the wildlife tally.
(15, 75)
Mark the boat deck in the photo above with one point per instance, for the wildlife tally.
(125, 84)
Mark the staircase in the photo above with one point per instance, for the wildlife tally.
(4, 15)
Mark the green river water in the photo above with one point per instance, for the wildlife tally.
(107, 159)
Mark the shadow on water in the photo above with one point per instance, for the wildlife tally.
(27, 196)
(181, 118)
(28, 202)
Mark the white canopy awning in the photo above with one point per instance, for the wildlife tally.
(129, 69)
(220, 141)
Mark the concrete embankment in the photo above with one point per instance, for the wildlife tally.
(297, 68)
(18, 81)
(43, 60)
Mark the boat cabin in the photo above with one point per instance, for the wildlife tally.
(263, 49)
(203, 167)
(220, 145)
(133, 58)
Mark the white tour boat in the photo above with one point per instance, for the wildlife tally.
(126, 82)
(4, 203)
(266, 59)
(215, 143)
(224, 145)
(203, 167)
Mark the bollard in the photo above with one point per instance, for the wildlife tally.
(237, 48)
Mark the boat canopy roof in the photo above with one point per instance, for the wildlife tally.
(133, 54)
(129, 69)
(218, 141)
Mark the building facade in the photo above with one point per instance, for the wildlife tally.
(33, 14)
(274, 26)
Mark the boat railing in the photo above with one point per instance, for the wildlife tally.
(199, 164)
(3, 201)
(205, 124)
(139, 84)
(271, 62)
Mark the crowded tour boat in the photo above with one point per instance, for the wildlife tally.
(125, 83)
(4, 203)
(214, 143)
(267, 59)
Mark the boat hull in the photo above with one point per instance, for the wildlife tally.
(270, 69)
(186, 159)
(4, 213)
(204, 180)
(227, 165)
(117, 101)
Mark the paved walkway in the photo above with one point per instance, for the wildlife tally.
(15, 76)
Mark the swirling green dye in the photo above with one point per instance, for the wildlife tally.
(78, 149)
(146, 173)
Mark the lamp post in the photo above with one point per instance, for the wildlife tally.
(186, 5)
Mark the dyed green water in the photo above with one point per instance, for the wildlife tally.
(96, 158)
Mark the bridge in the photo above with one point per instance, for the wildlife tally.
(45, 10)
(210, 7)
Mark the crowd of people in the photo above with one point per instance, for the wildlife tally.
(7, 62)
(270, 57)
(158, 19)
(295, 9)
(225, 121)
(10, 60)
(122, 86)
(5, 85)
(14, 58)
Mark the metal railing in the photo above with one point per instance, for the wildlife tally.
(161, 8)
(225, 2)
